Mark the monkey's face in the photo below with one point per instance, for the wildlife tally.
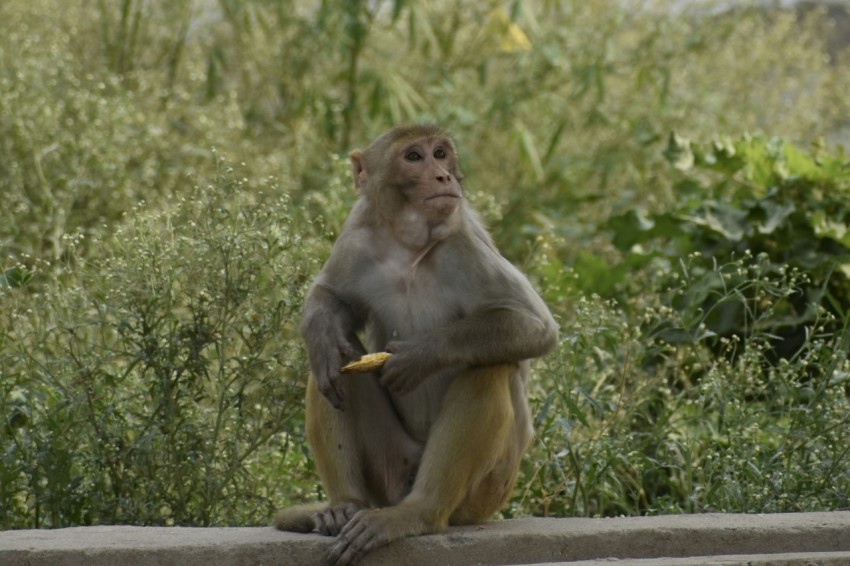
(426, 174)
(410, 175)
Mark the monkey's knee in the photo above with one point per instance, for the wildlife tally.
(489, 494)
(480, 402)
(486, 387)
(501, 436)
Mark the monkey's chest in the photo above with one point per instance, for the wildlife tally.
(405, 301)
(409, 308)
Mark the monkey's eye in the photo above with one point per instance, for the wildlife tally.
(440, 153)
(413, 155)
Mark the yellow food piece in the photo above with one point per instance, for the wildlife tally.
(369, 362)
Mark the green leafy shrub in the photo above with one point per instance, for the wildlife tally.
(631, 422)
(162, 382)
(714, 375)
(754, 197)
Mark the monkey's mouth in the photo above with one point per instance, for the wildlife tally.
(443, 195)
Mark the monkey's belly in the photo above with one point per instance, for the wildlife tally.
(419, 409)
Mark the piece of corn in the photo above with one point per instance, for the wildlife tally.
(369, 362)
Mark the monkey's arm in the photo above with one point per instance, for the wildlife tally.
(497, 333)
(329, 327)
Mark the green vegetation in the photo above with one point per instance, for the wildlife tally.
(172, 175)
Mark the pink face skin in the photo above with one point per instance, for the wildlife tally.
(416, 187)
(431, 188)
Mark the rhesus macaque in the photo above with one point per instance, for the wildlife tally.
(436, 436)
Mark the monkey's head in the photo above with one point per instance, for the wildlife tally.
(411, 176)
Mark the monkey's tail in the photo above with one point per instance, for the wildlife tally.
(298, 518)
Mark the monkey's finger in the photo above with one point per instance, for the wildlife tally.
(389, 378)
(351, 555)
(347, 351)
(328, 521)
(332, 393)
(321, 525)
(367, 540)
(351, 544)
(397, 380)
(337, 551)
(337, 399)
(396, 346)
(350, 511)
(339, 518)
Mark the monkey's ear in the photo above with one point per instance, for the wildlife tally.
(358, 170)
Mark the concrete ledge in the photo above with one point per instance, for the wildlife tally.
(794, 538)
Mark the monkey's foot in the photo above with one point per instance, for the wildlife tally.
(373, 528)
(298, 518)
(331, 520)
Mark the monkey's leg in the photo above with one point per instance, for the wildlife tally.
(490, 493)
(471, 448)
(363, 454)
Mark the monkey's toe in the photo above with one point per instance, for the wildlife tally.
(374, 528)
(331, 520)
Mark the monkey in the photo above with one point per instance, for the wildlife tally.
(435, 437)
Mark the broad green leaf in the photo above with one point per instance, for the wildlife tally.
(798, 162)
(636, 227)
(776, 214)
(596, 274)
(630, 228)
(529, 150)
(826, 227)
(723, 156)
(679, 153)
(722, 218)
(14, 278)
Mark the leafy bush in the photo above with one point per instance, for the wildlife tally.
(629, 422)
(713, 375)
(769, 200)
(163, 382)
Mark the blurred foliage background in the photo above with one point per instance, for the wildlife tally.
(669, 174)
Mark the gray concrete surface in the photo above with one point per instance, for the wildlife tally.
(792, 539)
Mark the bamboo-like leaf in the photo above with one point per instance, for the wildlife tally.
(529, 150)
(509, 35)
(679, 153)
(409, 102)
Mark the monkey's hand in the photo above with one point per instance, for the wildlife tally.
(409, 365)
(325, 363)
